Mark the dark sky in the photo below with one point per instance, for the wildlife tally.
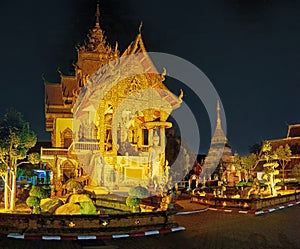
(250, 50)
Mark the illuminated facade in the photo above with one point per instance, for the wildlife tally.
(292, 139)
(137, 155)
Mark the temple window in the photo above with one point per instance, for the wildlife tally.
(108, 140)
(66, 138)
(68, 102)
(145, 137)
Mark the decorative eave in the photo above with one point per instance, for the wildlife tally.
(138, 47)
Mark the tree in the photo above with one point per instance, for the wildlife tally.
(36, 194)
(270, 167)
(16, 139)
(238, 164)
(249, 163)
(284, 156)
(25, 170)
(245, 164)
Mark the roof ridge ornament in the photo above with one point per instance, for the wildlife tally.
(140, 27)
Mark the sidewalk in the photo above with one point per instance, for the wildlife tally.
(185, 206)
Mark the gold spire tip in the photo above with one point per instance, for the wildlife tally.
(97, 13)
(140, 27)
(218, 106)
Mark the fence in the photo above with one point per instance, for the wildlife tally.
(85, 224)
(247, 204)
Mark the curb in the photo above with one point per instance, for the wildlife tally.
(270, 210)
(90, 237)
(192, 212)
(264, 211)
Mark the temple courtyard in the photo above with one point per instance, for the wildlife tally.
(206, 230)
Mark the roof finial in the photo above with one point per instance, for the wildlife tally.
(98, 15)
(43, 77)
(140, 27)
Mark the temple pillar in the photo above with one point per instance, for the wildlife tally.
(150, 136)
(163, 146)
(162, 138)
(101, 128)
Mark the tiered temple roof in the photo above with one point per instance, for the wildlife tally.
(60, 97)
(293, 141)
(294, 131)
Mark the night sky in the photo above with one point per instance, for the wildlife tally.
(250, 50)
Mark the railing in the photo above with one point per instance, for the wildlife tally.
(86, 146)
(53, 152)
(243, 203)
(183, 184)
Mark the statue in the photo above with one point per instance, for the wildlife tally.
(156, 160)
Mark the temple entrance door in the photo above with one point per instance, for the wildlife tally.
(68, 170)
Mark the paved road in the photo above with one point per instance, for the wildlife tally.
(208, 230)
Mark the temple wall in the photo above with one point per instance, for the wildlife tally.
(61, 124)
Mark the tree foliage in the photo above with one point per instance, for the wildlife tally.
(249, 163)
(237, 160)
(32, 201)
(39, 192)
(16, 139)
(283, 157)
(72, 185)
(270, 167)
(245, 163)
(132, 201)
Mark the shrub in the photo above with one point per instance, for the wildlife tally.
(87, 207)
(132, 201)
(72, 184)
(50, 205)
(32, 201)
(139, 192)
(241, 184)
(249, 184)
(39, 192)
(36, 210)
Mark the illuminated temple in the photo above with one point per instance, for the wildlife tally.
(94, 148)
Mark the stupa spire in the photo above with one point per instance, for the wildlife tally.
(218, 136)
(97, 24)
(218, 114)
